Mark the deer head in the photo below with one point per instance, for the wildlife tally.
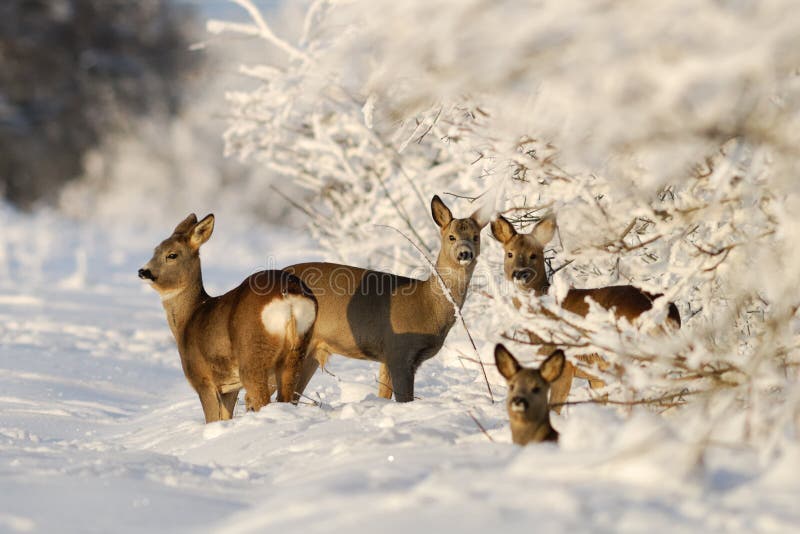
(527, 402)
(175, 265)
(524, 253)
(461, 238)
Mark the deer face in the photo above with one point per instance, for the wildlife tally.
(175, 264)
(524, 253)
(461, 238)
(528, 410)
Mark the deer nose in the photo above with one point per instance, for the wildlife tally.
(465, 255)
(519, 404)
(145, 274)
(522, 275)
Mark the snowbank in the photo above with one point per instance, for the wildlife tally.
(100, 431)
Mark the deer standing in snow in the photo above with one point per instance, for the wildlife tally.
(397, 321)
(524, 266)
(240, 339)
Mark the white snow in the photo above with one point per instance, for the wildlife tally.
(99, 430)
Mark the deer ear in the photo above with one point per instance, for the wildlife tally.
(483, 215)
(201, 232)
(553, 366)
(502, 230)
(441, 213)
(185, 225)
(545, 229)
(507, 364)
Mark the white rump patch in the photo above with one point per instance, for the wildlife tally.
(305, 313)
(276, 314)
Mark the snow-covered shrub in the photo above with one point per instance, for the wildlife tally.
(664, 137)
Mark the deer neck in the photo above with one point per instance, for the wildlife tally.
(541, 290)
(181, 304)
(455, 277)
(525, 432)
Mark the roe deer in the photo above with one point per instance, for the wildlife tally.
(239, 339)
(524, 265)
(528, 408)
(397, 321)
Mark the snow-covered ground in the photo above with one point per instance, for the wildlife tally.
(99, 430)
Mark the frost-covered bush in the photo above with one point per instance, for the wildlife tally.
(663, 136)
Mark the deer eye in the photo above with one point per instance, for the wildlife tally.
(535, 389)
(510, 254)
(476, 238)
(452, 237)
(533, 256)
(172, 256)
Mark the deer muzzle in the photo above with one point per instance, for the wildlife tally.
(522, 276)
(518, 404)
(465, 254)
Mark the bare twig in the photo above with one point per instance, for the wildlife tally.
(664, 400)
(294, 204)
(478, 423)
(266, 32)
(430, 127)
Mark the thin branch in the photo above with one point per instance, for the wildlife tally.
(266, 32)
(430, 127)
(401, 212)
(668, 398)
(294, 204)
(485, 433)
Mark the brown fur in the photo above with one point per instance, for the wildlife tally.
(222, 341)
(397, 321)
(524, 265)
(527, 404)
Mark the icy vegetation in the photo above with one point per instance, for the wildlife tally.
(663, 138)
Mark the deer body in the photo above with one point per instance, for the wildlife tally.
(243, 338)
(397, 321)
(524, 265)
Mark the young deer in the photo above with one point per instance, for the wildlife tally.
(397, 321)
(239, 339)
(524, 265)
(528, 408)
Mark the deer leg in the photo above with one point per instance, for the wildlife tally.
(559, 389)
(212, 403)
(384, 382)
(594, 382)
(272, 384)
(228, 404)
(256, 397)
(288, 375)
(279, 379)
(593, 359)
(310, 365)
(402, 375)
(255, 379)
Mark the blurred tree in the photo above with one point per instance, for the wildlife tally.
(73, 71)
